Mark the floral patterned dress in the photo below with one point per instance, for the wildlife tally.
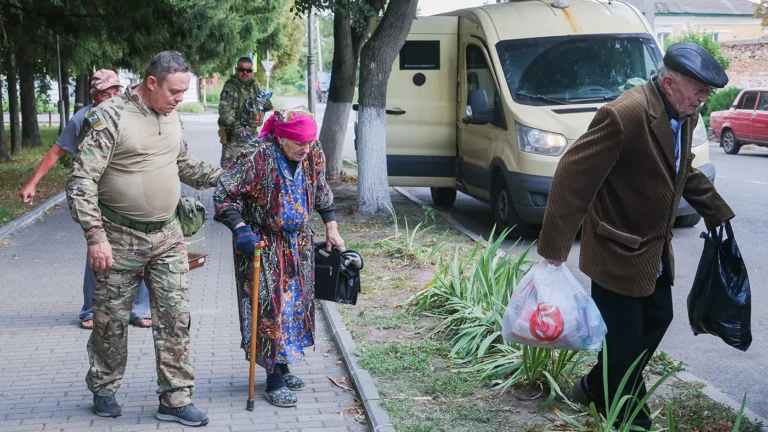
(278, 205)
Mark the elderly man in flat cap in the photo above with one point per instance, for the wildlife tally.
(621, 182)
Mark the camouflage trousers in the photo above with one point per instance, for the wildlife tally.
(160, 258)
(230, 150)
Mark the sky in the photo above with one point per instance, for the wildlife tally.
(432, 7)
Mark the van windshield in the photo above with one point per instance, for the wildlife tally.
(577, 69)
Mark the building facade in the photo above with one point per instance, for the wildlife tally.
(725, 20)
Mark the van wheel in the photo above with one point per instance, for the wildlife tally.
(687, 221)
(504, 210)
(443, 196)
(729, 142)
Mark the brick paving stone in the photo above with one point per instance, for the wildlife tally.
(42, 349)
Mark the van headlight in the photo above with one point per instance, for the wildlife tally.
(537, 141)
(699, 134)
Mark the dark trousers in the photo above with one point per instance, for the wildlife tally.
(636, 326)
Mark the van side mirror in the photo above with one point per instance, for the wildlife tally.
(478, 110)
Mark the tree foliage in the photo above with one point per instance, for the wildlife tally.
(761, 11)
(211, 34)
(359, 11)
(704, 40)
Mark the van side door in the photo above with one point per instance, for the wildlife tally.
(477, 138)
(421, 106)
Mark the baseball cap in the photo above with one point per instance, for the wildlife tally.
(103, 79)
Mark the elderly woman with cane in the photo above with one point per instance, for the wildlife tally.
(268, 195)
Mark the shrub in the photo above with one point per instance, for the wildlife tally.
(722, 100)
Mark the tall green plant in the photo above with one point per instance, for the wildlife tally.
(470, 294)
(620, 408)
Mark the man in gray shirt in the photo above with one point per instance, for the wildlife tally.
(104, 85)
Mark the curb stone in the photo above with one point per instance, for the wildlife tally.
(709, 390)
(30, 217)
(378, 419)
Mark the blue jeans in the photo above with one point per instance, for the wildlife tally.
(140, 305)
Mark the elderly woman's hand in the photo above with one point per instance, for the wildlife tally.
(245, 240)
(332, 237)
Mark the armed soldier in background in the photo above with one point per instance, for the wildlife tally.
(241, 109)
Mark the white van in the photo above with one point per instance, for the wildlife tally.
(486, 100)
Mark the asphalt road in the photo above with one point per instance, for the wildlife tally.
(743, 181)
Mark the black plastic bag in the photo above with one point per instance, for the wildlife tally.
(720, 302)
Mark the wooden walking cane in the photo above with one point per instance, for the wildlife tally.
(254, 322)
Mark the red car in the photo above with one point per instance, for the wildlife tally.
(745, 123)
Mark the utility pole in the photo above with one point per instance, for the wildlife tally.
(319, 47)
(267, 68)
(62, 120)
(310, 64)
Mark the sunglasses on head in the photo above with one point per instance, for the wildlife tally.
(244, 70)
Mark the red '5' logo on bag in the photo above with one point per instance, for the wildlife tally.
(546, 322)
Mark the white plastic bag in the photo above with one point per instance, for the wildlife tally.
(550, 309)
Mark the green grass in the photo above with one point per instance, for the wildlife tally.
(421, 394)
(695, 411)
(14, 175)
(397, 320)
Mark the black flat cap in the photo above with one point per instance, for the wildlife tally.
(695, 62)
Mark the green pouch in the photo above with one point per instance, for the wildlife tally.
(191, 213)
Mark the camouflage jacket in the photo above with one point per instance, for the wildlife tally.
(96, 148)
(239, 104)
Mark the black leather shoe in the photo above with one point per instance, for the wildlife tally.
(581, 393)
(106, 406)
(187, 415)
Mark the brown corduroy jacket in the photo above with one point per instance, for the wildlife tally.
(618, 183)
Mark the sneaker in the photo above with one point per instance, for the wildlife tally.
(281, 397)
(293, 382)
(106, 406)
(187, 415)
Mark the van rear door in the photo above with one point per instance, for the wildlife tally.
(421, 106)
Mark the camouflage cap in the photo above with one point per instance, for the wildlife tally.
(103, 79)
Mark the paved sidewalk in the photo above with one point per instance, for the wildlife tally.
(42, 350)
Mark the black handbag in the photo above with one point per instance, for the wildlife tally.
(337, 274)
(720, 301)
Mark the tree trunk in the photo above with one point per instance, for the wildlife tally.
(65, 90)
(81, 92)
(347, 44)
(4, 156)
(13, 103)
(376, 60)
(30, 130)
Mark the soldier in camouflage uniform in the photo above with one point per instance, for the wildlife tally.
(123, 190)
(240, 111)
